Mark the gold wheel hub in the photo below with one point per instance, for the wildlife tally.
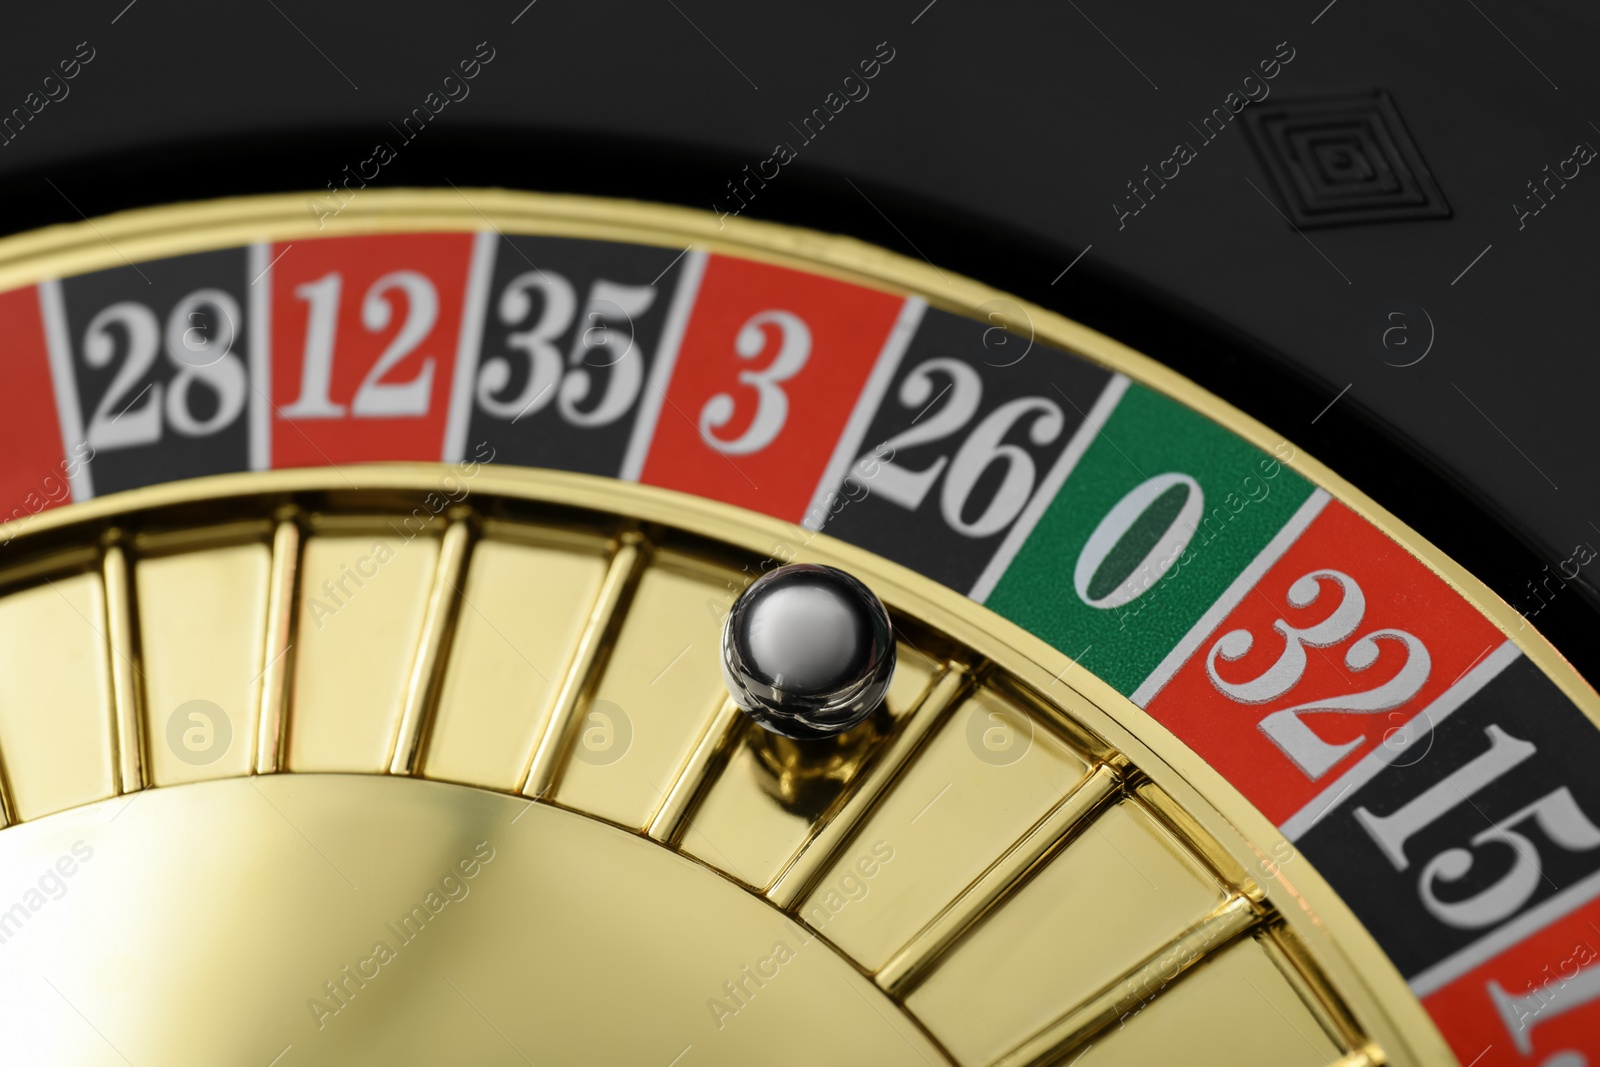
(375, 920)
(381, 773)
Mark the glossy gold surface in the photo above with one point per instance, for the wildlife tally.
(377, 920)
(57, 720)
(508, 657)
(438, 622)
(833, 830)
(692, 781)
(1240, 1000)
(202, 622)
(661, 685)
(1054, 830)
(354, 646)
(1037, 957)
(566, 718)
(998, 867)
(773, 791)
(950, 816)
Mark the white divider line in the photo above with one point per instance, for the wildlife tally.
(1230, 598)
(655, 392)
(1512, 933)
(259, 266)
(1400, 743)
(53, 309)
(847, 450)
(480, 276)
(1093, 422)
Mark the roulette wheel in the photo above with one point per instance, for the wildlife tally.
(385, 674)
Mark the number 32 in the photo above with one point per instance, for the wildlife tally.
(1285, 727)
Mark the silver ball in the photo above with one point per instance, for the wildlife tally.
(808, 651)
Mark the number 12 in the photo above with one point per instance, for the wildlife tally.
(374, 398)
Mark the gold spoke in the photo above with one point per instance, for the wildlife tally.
(919, 861)
(444, 603)
(1007, 874)
(621, 579)
(277, 656)
(8, 810)
(1153, 975)
(826, 843)
(698, 772)
(127, 716)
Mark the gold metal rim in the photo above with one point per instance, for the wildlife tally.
(1345, 952)
(150, 233)
(1322, 920)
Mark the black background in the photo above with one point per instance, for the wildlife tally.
(993, 144)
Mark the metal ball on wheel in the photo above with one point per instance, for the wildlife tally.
(808, 651)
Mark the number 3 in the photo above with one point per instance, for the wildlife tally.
(772, 403)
